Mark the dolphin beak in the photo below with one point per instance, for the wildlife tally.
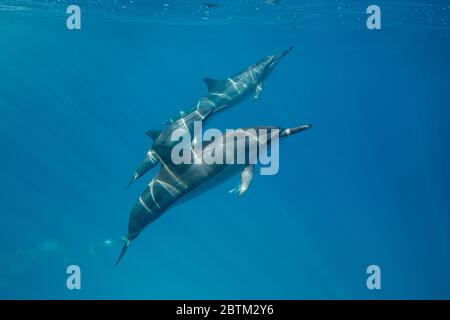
(280, 56)
(285, 52)
(277, 58)
(294, 130)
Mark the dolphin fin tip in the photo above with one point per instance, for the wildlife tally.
(124, 250)
(135, 177)
(130, 183)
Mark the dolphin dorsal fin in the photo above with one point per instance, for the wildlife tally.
(154, 134)
(211, 83)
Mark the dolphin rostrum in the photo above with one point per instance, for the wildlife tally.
(222, 94)
(176, 183)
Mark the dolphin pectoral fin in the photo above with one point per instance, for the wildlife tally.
(246, 180)
(124, 250)
(150, 161)
(259, 90)
(212, 83)
(247, 177)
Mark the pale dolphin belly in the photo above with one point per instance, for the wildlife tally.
(229, 172)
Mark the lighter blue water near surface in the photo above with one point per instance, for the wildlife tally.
(369, 184)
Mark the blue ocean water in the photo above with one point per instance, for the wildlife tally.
(369, 184)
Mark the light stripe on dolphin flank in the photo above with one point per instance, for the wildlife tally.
(150, 156)
(168, 187)
(173, 175)
(234, 85)
(251, 75)
(144, 205)
(211, 103)
(200, 115)
(184, 123)
(150, 186)
(222, 95)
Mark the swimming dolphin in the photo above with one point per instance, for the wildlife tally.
(273, 2)
(209, 5)
(174, 184)
(222, 94)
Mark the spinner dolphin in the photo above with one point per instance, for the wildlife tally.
(175, 183)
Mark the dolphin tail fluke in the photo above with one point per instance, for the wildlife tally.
(124, 250)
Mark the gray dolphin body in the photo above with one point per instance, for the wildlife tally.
(174, 184)
(222, 94)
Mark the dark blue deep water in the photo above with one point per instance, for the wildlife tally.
(369, 184)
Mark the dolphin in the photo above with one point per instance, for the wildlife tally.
(209, 5)
(221, 95)
(273, 2)
(175, 184)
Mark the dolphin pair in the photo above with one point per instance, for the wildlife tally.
(174, 184)
(222, 94)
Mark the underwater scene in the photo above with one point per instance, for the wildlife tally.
(352, 204)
